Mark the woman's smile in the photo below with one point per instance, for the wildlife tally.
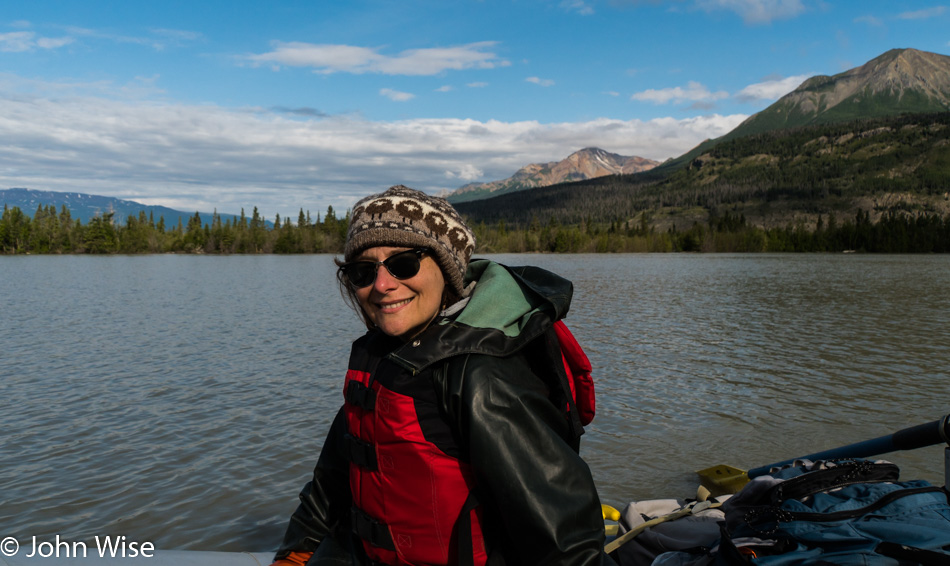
(388, 308)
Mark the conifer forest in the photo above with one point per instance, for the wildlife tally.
(55, 232)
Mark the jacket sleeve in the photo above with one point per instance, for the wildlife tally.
(325, 500)
(529, 478)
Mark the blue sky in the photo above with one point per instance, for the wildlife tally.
(283, 105)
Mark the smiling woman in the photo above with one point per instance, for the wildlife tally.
(456, 351)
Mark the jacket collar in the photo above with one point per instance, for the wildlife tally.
(510, 306)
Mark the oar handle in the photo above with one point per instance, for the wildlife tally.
(910, 438)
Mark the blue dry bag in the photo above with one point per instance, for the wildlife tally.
(836, 512)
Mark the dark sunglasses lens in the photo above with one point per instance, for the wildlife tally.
(361, 273)
(404, 265)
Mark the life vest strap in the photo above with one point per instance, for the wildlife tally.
(361, 453)
(372, 531)
(360, 395)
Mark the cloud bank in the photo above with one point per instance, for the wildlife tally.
(924, 14)
(752, 12)
(694, 92)
(327, 59)
(756, 11)
(20, 41)
(202, 157)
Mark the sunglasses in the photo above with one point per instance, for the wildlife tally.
(403, 265)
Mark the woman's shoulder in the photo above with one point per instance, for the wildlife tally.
(477, 373)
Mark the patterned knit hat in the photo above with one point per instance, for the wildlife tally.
(403, 217)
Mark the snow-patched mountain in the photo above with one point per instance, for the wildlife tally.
(584, 164)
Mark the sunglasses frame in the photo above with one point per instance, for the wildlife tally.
(418, 252)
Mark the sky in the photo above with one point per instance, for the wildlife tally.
(288, 105)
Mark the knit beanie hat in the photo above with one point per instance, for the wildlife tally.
(403, 217)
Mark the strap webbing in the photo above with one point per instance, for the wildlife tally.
(360, 395)
(466, 550)
(363, 454)
(372, 531)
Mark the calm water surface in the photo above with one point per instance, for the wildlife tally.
(183, 400)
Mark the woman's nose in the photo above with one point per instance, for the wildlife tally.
(384, 280)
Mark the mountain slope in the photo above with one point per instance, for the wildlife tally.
(899, 81)
(587, 163)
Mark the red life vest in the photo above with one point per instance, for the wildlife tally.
(410, 489)
(408, 493)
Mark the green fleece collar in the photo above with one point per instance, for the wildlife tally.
(498, 301)
(509, 307)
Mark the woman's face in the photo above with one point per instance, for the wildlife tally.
(401, 307)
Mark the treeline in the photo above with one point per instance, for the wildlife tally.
(52, 232)
(894, 232)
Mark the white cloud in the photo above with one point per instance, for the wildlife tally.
(202, 157)
(770, 90)
(17, 41)
(694, 92)
(396, 95)
(445, 88)
(173, 37)
(178, 35)
(923, 14)
(159, 40)
(20, 41)
(577, 6)
(358, 60)
(467, 172)
(756, 11)
(53, 42)
(869, 20)
(539, 81)
(477, 85)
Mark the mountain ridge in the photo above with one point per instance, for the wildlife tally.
(85, 207)
(907, 79)
(899, 81)
(587, 163)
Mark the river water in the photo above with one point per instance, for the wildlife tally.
(183, 400)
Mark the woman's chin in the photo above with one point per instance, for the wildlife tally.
(401, 328)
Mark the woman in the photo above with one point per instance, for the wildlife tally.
(457, 441)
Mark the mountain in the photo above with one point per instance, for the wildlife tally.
(587, 163)
(894, 164)
(85, 207)
(900, 81)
